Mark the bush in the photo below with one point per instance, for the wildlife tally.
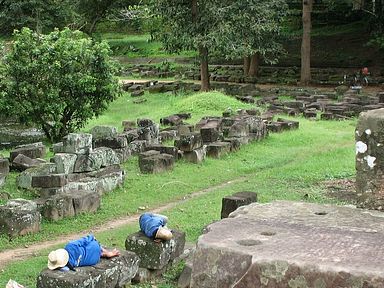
(57, 81)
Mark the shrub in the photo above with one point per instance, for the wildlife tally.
(57, 81)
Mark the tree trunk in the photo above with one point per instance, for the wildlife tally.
(204, 72)
(247, 63)
(306, 43)
(254, 65)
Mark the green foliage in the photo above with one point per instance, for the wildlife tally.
(251, 26)
(57, 81)
(40, 15)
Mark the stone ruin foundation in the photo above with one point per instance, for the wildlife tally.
(370, 159)
(291, 244)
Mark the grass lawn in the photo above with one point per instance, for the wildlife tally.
(283, 166)
(138, 45)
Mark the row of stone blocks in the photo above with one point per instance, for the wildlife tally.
(142, 260)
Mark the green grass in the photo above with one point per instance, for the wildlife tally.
(283, 166)
(138, 45)
(162, 105)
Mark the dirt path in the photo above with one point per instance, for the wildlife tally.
(8, 256)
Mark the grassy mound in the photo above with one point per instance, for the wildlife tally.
(209, 102)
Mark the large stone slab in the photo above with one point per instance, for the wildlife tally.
(108, 273)
(19, 217)
(24, 179)
(370, 159)
(155, 255)
(22, 162)
(77, 143)
(292, 244)
(33, 151)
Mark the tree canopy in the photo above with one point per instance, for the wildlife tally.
(57, 81)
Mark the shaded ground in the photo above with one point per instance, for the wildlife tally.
(342, 190)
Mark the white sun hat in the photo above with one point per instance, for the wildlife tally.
(57, 259)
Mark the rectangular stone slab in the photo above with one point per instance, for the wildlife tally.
(292, 244)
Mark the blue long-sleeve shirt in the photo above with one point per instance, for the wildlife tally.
(149, 223)
(85, 251)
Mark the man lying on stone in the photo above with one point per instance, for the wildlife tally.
(85, 251)
(153, 226)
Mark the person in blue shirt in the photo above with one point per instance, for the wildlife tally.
(153, 226)
(85, 251)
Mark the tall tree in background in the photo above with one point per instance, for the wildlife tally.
(253, 31)
(229, 28)
(188, 25)
(305, 77)
(39, 15)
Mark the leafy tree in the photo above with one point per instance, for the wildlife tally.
(235, 28)
(91, 12)
(39, 15)
(253, 30)
(57, 81)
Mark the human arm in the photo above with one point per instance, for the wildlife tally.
(105, 253)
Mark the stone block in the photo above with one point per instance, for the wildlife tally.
(131, 135)
(137, 93)
(49, 181)
(144, 122)
(289, 124)
(57, 148)
(310, 114)
(24, 179)
(83, 277)
(77, 143)
(117, 142)
(69, 204)
(167, 135)
(103, 131)
(231, 203)
(144, 275)
(185, 129)
(171, 150)
(109, 156)
(156, 163)
(56, 207)
(370, 159)
(99, 157)
(19, 217)
(189, 142)
(123, 154)
(158, 88)
(4, 166)
(137, 146)
(239, 129)
(236, 142)
(172, 120)
(291, 244)
(148, 153)
(22, 162)
(275, 127)
(196, 156)
(65, 162)
(210, 133)
(218, 149)
(33, 151)
(327, 116)
(149, 133)
(108, 273)
(155, 255)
